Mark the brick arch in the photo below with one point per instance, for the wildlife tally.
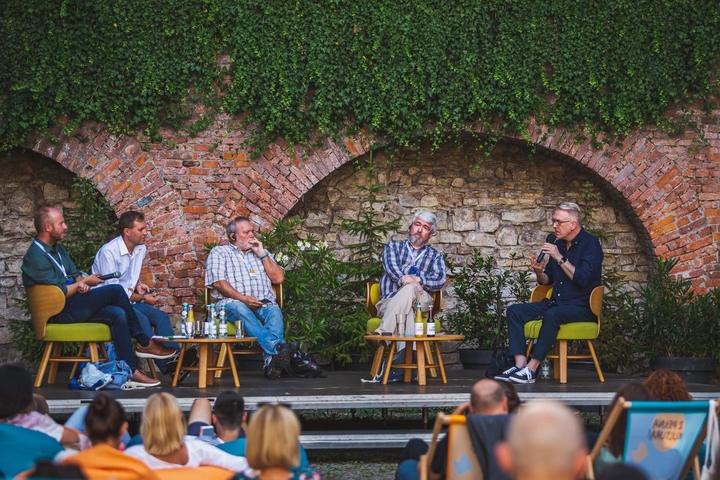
(190, 186)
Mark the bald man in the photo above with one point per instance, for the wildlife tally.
(545, 441)
(487, 398)
(48, 263)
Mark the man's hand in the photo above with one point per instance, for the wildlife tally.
(142, 288)
(536, 266)
(462, 409)
(552, 250)
(150, 299)
(405, 279)
(252, 302)
(90, 281)
(257, 247)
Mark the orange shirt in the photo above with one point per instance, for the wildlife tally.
(105, 462)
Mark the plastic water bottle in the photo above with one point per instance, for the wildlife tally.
(545, 370)
(184, 320)
(222, 326)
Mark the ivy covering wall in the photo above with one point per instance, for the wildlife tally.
(395, 68)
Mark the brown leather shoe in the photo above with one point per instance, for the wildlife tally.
(154, 350)
(140, 380)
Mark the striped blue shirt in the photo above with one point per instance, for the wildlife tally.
(399, 257)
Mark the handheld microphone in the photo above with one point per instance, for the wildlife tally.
(549, 239)
(108, 276)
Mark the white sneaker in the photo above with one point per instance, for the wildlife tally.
(524, 375)
(505, 376)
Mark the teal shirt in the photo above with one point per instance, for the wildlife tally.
(237, 447)
(38, 269)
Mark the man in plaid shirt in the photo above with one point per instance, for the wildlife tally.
(243, 273)
(412, 269)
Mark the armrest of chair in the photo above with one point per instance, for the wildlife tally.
(540, 293)
(45, 301)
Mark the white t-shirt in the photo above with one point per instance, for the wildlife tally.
(114, 257)
(199, 453)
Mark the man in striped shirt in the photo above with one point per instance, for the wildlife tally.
(412, 270)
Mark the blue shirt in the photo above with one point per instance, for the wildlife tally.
(400, 258)
(586, 255)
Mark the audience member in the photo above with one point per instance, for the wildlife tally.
(273, 441)
(622, 471)
(165, 444)
(105, 425)
(545, 441)
(487, 398)
(612, 451)
(664, 384)
(17, 407)
(513, 399)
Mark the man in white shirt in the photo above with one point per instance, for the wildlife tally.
(125, 254)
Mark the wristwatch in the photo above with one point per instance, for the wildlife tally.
(264, 256)
(562, 260)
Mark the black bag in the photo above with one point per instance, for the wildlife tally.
(302, 364)
(501, 360)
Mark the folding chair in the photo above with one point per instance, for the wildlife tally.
(662, 438)
(462, 463)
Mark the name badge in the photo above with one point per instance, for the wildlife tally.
(253, 272)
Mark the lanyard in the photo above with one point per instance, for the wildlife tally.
(415, 258)
(57, 264)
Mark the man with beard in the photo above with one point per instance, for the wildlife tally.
(412, 271)
(243, 274)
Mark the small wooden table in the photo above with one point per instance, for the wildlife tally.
(205, 357)
(425, 346)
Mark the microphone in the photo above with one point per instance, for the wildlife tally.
(108, 276)
(549, 239)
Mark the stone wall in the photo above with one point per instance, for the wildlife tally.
(501, 205)
(30, 182)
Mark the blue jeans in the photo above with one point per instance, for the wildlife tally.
(110, 305)
(552, 316)
(154, 321)
(265, 323)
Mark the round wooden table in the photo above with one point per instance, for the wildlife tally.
(205, 357)
(425, 347)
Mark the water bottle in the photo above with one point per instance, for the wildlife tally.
(545, 370)
(222, 326)
(239, 333)
(210, 322)
(184, 320)
(192, 325)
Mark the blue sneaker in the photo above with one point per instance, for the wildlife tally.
(524, 375)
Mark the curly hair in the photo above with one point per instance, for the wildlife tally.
(664, 384)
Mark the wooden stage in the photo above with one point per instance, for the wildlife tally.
(343, 390)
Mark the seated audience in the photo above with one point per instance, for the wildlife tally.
(545, 441)
(105, 424)
(18, 407)
(273, 445)
(487, 398)
(612, 451)
(165, 444)
(664, 384)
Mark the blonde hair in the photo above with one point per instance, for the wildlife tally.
(273, 438)
(163, 425)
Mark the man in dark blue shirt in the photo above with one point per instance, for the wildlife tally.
(574, 268)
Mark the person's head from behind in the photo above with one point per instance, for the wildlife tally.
(273, 438)
(132, 227)
(664, 384)
(105, 421)
(50, 224)
(513, 399)
(487, 397)
(630, 392)
(163, 425)
(545, 440)
(228, 415)
(16, 391)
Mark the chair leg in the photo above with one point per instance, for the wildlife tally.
(596, 362)
(556, 362)
(377, 359)
(221, 359)
(73, 370)
(151, 368)
(57, 352)
(562, 347)
(407, 373)
(43, 363)
(94, 357)
(529, 347)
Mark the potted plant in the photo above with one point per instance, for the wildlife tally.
(484, 292)
(679, 327)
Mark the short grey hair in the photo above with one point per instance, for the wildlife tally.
(573, 209)
(426, 216)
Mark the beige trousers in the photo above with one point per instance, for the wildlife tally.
(402, 305)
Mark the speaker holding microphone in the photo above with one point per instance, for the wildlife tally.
(549, 239)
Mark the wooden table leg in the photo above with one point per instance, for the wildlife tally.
(440, 363)
(181, 355)
(221, 359)
(563, 353)
(233, 368)
(421, 362)
(204, 352)
(377, 359)
(407, 373)
(211, 363)
(429, 358)
(391, 354)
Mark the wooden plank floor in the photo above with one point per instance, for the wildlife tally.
(344, 390)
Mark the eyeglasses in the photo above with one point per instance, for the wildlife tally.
(555, 221)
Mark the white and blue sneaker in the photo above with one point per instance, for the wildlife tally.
(524, 375)
(505, 376)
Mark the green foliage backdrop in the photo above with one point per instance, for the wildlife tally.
(397, 68)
